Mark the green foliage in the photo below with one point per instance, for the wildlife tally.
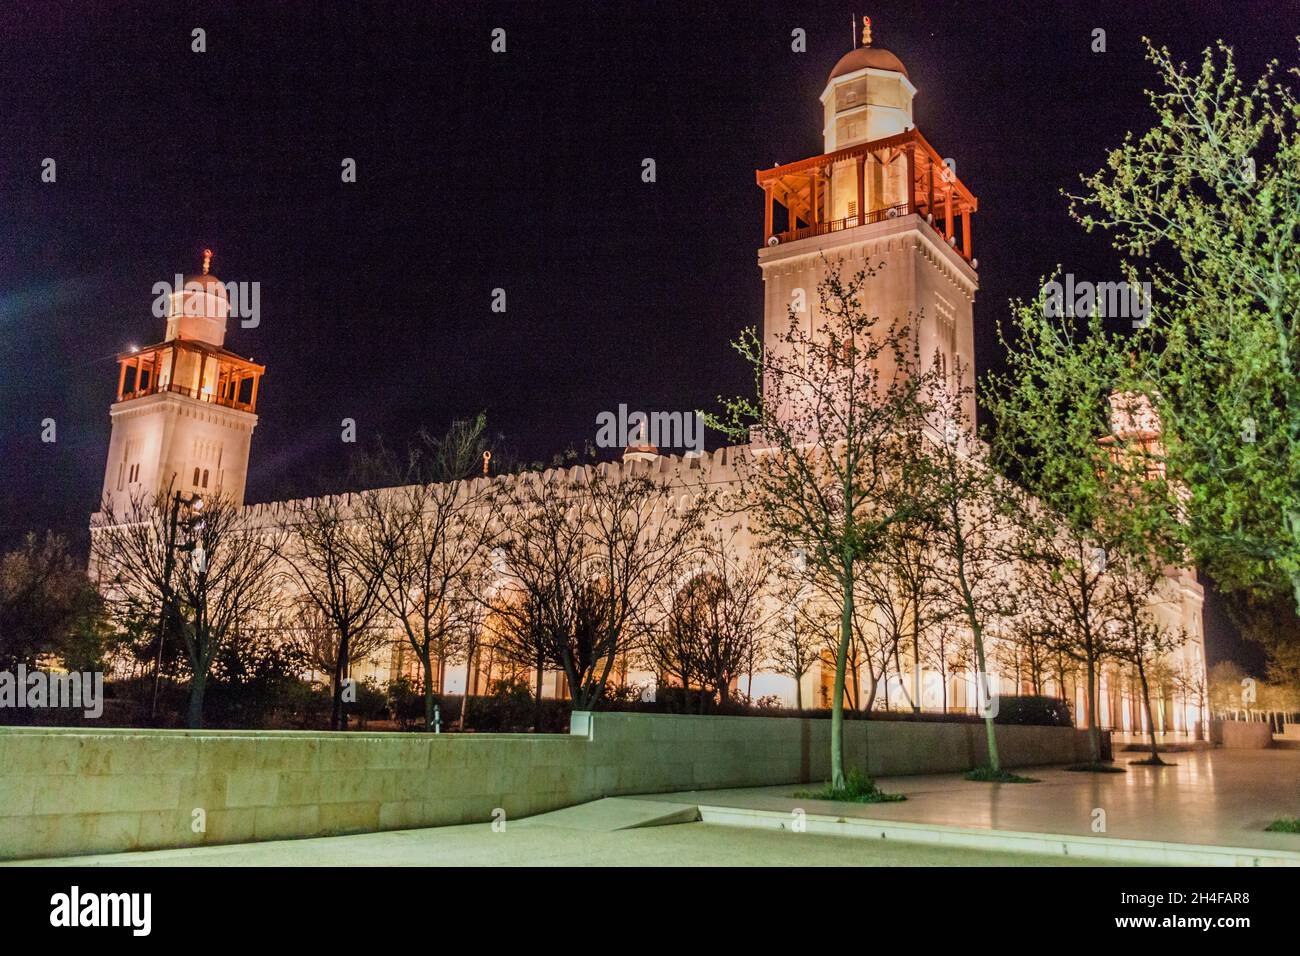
(254, 682)
(1034, 710)
(48, 606)
(839, 400)
(1284, 825)
(371, 703)
(988, 775)
(1095, 767)
(1214, 188)
(857, 788)
(406, 701)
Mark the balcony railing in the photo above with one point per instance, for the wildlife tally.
(227, 401)
(839, 225)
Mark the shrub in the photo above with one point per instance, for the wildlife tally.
(1037, 711)
(622, 695)
(858, 788)
(406, 702)
(371, 703)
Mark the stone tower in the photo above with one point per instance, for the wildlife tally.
(881, 194)
(186, 407)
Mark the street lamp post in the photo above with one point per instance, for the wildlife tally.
(168, 611)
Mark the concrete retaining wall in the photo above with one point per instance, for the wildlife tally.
(1242, 734)
(74, 791)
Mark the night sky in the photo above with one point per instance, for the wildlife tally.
(479, 170)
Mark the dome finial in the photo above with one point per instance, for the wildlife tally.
(207, 260)
(866, 31)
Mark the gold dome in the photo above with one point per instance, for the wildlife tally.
(867, 57)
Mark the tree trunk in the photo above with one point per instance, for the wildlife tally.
(837, 695)
(194, 718)
(916, 656)
(537, 697)
(336, 704)
(427, 668)
(471, 683)
(995, 762)
(1094, 729)
(1146, 703)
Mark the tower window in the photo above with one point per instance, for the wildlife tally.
(205, 477)
(196, 477)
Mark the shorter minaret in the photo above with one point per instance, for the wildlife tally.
(186, 407)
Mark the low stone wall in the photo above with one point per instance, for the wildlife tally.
(1242, 734)
(76, 791)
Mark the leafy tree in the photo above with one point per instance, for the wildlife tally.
(47, 605)
(1207, 202)
(834, 395)
(1053, 415)
(1226, 688)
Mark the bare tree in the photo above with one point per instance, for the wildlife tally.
(585, 555)
(312, 633)
(327, 554)
(715, 625)
(1142, 639)
(430, 532)
(1066, 568)
(795, 632)
(227, 575)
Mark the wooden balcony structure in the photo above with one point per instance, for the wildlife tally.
(804, 189)
(198, 370)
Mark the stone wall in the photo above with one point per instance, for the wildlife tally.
(1241, 734)
(75, 791)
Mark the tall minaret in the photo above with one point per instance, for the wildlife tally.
(879, 193)
(186, 407)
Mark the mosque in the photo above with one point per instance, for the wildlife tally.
(186, 407)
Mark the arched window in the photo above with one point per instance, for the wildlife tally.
(205, 477)
(196, 476)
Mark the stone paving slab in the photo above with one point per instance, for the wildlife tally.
(689, 844)
(1221, 798)
(615, 813)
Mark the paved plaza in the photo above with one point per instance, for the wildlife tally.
(691, 844)
(1210, 798)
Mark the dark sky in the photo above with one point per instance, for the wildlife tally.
(479, 170)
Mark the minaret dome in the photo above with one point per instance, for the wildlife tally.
(868, 96)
